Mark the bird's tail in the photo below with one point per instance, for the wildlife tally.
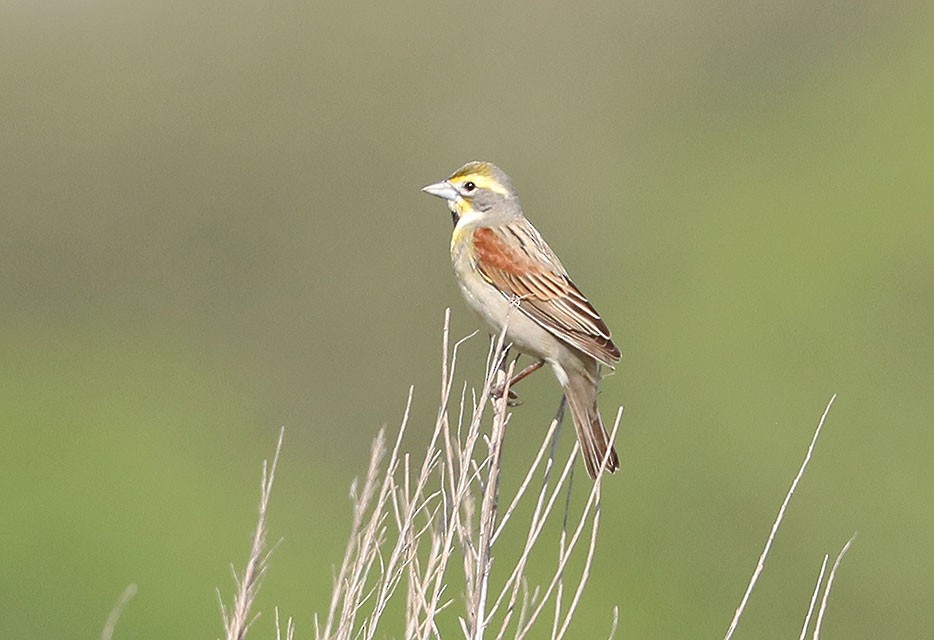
(581, 394)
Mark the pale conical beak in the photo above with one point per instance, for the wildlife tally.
(442, 189)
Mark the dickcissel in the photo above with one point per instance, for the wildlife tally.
(510, 276)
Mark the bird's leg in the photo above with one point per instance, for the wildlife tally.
(525, 373)
(513, 399)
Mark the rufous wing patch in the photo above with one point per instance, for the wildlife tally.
(492, 252)
(545, 295)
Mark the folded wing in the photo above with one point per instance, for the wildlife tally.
(515, 259)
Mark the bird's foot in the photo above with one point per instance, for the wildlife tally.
(512, 398)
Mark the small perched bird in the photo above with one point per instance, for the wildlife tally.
(505, 269)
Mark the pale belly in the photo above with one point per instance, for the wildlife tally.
(494, 309)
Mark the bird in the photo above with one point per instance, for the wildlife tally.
(511, 277)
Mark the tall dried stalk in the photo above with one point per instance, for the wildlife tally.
(419, 523)
(237, 619)
(760, 565)
(114, 617)
(424, 529)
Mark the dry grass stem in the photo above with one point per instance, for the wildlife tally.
(760, 566)
(830, 579)
(422, 524)
(237, 618)
(615, 624)
(114, 617)
(289, 628)
(813, 602)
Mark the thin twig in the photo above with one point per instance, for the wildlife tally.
(237, 620)
(615, 624)
(415, 518)
(114, 616)
(778, 521)
(830, 578)
(289, 628)
(820, 580)
(595, 527)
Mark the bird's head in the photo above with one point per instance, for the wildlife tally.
(476, 192)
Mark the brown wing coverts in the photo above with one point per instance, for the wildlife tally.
(545, 292)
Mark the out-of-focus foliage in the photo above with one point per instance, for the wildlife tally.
(211, 226)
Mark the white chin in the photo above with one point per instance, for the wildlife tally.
(468, 218)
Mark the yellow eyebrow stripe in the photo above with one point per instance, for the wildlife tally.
(482, 181)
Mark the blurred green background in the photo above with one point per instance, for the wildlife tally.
(212, 226)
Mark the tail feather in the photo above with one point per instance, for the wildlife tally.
(581, 394)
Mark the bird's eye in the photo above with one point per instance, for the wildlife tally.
(469, 186)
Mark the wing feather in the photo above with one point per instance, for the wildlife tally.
(524, 268)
